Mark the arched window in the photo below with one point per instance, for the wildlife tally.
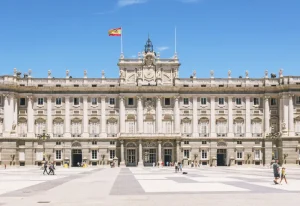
(76, 125)
(203, 126)
(58, 127)
(256, 127)
(40, 126)
(167, 124)
(221, 126)
(130, 124)
(94, 126)
(149, 124)
(112, 126)
(186, 126)
(239, 126)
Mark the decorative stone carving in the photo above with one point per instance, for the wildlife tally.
(266, 73)
(176, 73)
(149, 60)
(229, 73)
(131, 144)
(49, 73)
(139, 73)
(84, 74)
(194, 74)
(212, 73)
(122, 74)
(281, 73)
(29, 72)
(283, 125)
(221, 144)
(167, 144)
(67, 73)
(102, 74)
(15, 72)
(247, 74)
(149, 144)
(149, 105)
(158, 73)
(14, 126)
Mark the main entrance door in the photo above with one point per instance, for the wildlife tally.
(221, 157)
(149, 157)
(76, 157)
(168, 156)
(131, 157)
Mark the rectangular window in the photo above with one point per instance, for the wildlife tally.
(58, 101)
(239, 142)
(238, 101)
(40, 101)
(297, 100)
(94, 101)
(256, 101)
(94, 154)
(221, 101)
(130, 101)
(58, 154)
(203, 101)
(94, 142)
(112, 142)
(186, 142)
(112, 101)
(167, 101)
(187, 153)
(112, 154)
(58, 143)
(257, 154)
(22, 101)
(186, 101)
(273, 101)
(239, 155)
(76, 101)
(204, 154)
(204, 142)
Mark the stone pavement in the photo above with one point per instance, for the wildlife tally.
(147, 186)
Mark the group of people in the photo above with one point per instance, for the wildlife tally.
(51, 167)
(277, 174)
(178, 166)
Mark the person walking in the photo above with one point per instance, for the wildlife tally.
(176, 167)
(45, 168)
(283, 173)
(276, 172)
(51, 168)
(180, 166)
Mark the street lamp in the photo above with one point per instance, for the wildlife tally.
(43, 137)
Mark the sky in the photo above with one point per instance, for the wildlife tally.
(219, 35)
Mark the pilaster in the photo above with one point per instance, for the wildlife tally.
(122, 114)
(103, 117)
(267, 114)
(159, 152)
(291, 116)
(176, 115)
(140, 114)
(195, 117)
(248, 118)
(122, 163)
(67, 117)
(30, 117)
(140, 164)
(158, 115)
(212, 117)
(85, 117)
(49, 116)
(230, 118)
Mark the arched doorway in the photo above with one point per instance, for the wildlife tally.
(76, 154)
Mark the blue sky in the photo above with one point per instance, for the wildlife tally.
(217, 35)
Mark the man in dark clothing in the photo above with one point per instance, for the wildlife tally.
(51, 168)
(276, 172)
(45, 168)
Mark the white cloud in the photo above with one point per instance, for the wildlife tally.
(122, 3)
(162, 48)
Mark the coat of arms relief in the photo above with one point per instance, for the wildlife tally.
(149, 68)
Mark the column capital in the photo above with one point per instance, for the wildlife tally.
(158, 98)
(266, 98)
(247, 98)
(121, 98)
(122, 141)
(159, 141)
(176, 98)
(30, 97)
(177, 142)
(139, 98)
(291, 95)
(103, 97)
(85, 97)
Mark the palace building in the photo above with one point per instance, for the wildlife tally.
(149, 115)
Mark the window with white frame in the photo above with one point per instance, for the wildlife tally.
(76, 127)
(94, 126)
(58, 154)
(186, 153)
(186, 101)
(40, 101)
(239, 142)
(112, 142)
(203, 101)
(257, 154)
(239, 126)
(186, 126)
(204, 154)
(256, 101)
(239, 154)
(238, 101)
(130, 101)
(94, 154)
(256, 126)
(112, 101)
(221, 126)
(112, 126)
(58, 127)
(112, 154)
(273, 101)
(130, 127)
(186, 142)
(76, 101)
(149, 127)
(203, 126)
(58, 101)
(94, 100)
(94, 142)
(221, 101)
(167, 125)
(297, 125)
(40, 126)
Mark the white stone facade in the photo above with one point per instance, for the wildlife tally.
(149, 115)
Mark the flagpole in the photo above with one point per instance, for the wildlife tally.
(175, 41)
(121, 40)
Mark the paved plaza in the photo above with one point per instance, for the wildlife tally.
(147, 186)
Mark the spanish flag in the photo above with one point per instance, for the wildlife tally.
(115, 32)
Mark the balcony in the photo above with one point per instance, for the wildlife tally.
(94, 135)
(221, 134)
(297, 133)
(76, 135)
(256, 134)
(22, 135)
(239, 134)
(187, 135)
(112, 135)
(204, 134)
(58, 135)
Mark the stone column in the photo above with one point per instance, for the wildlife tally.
(122, 115)
(158, 115)
(67, 117)
(280, 111)
(49, 116)
(212, 117)
(177, 151)
(285, 114)
(6, 121)
(291, 116)
(159, 152)
(11, 108)
(122, 163)
(230, 118)
(195, 118)
(176, 115)
(30, 117)
(140, 115)
(103, 118)
(85, 118)
(248, 118)
(140, 164)
(267, 115)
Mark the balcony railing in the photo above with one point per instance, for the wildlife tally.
(204, 134)
(58, 135)
(76, 135)
(23, 135)
(112, 135)
(256, 134)
(221, 134)
(94, 135)
(186, 134)
(239, 134)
